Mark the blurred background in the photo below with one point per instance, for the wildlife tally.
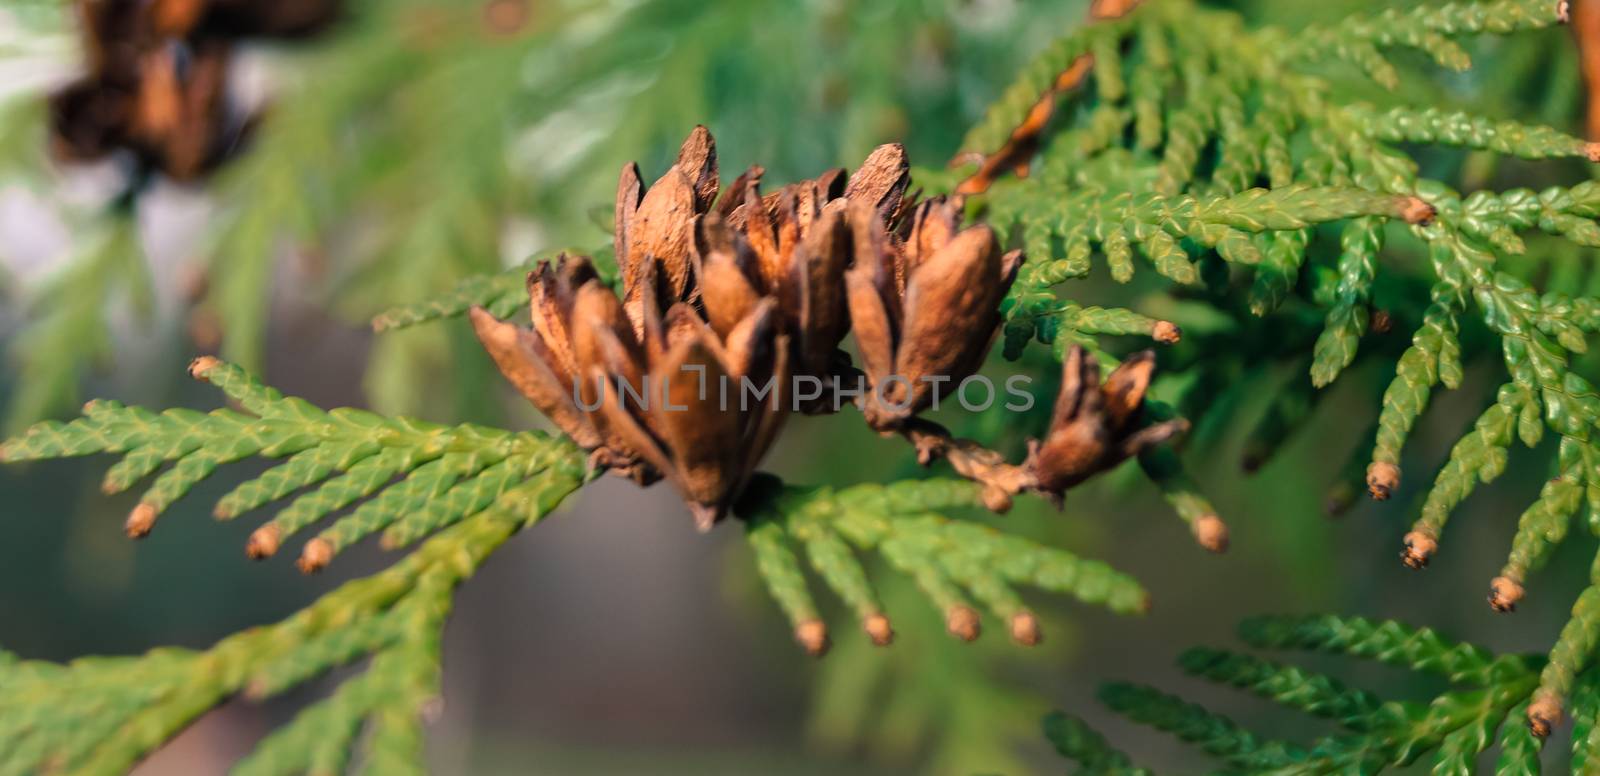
(376, 157)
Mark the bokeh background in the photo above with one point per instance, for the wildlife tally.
(396, 156)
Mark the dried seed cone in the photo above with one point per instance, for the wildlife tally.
(687, 374)
(542, 362)
(156, 80)
(925, 307)
(654, 226)
(794, 245)
(1094, 427)
(666, 395)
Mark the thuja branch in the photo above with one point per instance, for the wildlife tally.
(1016, 152)
(952, 561)
(405, 478)
(1194, 111)
(472, 487)
(100, 715)
(1483, 705)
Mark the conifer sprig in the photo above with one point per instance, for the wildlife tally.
(1488, 697)
(952, 561)
(1162, 160)
(404, 478)
(470, 488)
(100, 715)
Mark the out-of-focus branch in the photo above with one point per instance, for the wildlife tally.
(1014, 156)
(1584, 16)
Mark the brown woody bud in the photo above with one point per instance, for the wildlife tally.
(1211, 533)
(1381, 322)
(1419, 548)
(962, 622)
(140, 521)
(1544, 713)
(263, 542)
(1504, 593)
(881, 181)
(316, 556)
(1166, 333)
(1025, 629)
(796, 252)
(996, 500)
(697, 312)
(1094, 427)
(924, 306)
(1383, 479)
(654, 226)
(813, 637)
(878, 629)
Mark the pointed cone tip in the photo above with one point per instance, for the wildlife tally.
(705, 516)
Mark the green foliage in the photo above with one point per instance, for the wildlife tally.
(1485, 704)
(1082, 745)
(72, 328)
(949, 560)
(410, 478)
(1239, 163)
(471, 487)
(1162, 159)
(412, 147)
(101, 715)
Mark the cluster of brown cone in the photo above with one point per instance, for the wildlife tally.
(724, 290)
(155, 81)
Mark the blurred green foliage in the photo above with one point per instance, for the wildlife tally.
(414, 150)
